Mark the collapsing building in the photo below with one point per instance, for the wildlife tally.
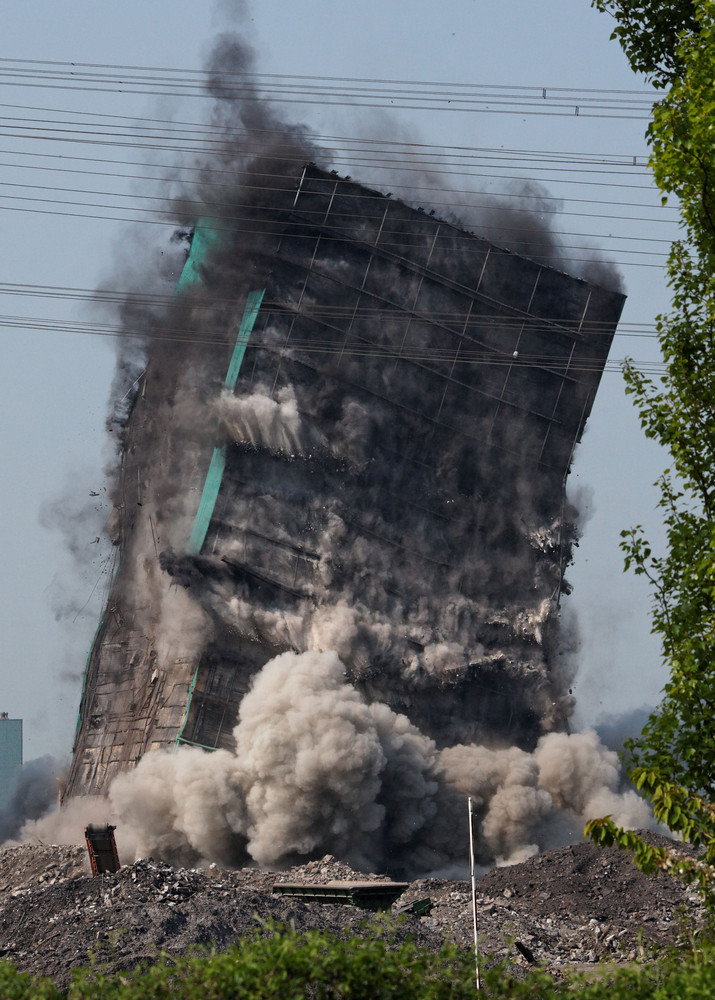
(352, 432)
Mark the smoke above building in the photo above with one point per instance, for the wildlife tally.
(341, 526)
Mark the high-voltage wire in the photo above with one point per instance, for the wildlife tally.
(361, 154)
(553, 257)
(481, 206)
(528, 195)
(205, 170)
(297, 155)
(438, 103)
(403, 146)
(109, 296)
(226, 139)
(218, 206)
(340, 91)
(104, 139)
(347, 343)
(287, 136)
(256, 77)
(103, 296)
(235, 223)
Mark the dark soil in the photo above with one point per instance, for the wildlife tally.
(577, 905)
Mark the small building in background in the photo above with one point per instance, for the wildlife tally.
(10, 755)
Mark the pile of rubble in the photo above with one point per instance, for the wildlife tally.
(55, 916)
(571, 906)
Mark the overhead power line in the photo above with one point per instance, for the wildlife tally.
(148, 300)
(402, 155)
(353, 347)
(374, 156)
(565, 174)
(286, 132)
(169, 214)
(220, 208)
(554, 251)
(76, 66)
(422, 154)
(497, 204)
(340, 91)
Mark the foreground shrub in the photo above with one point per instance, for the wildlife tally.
(286, 965)
(16, 985)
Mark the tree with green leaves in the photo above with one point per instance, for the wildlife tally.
(650, 33)
(673, 761)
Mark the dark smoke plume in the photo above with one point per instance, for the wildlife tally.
(34, 794)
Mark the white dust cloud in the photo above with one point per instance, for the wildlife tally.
(263, 422)
(316, 769)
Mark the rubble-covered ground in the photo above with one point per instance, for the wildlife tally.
(571, 906)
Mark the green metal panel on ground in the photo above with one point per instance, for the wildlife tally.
(366, 895)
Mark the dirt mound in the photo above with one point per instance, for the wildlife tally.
(573, 905)
(578, 904)
(53, 918)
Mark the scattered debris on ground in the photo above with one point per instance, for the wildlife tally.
(572, 906)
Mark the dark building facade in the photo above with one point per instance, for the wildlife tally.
(361, 445)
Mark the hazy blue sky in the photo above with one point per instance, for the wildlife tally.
(55, 385)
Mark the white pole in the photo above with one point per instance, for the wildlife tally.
(474, 892)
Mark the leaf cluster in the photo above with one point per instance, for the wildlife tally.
(649, 33)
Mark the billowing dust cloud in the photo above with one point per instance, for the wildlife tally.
(370, 627)
(316, 769)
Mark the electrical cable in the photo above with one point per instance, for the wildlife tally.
(481, 206)
(628, 159)
(228, 139)
(589, 102)
(553, 257)
(360, 154)
(457, 356)
(104, 296)
(205, 170)
(219, 207)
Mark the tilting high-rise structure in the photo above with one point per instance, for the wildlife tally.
(352, 432)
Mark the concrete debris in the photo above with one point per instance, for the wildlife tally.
(574, 906)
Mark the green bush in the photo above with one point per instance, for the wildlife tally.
(16, 985)
(286, 965)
